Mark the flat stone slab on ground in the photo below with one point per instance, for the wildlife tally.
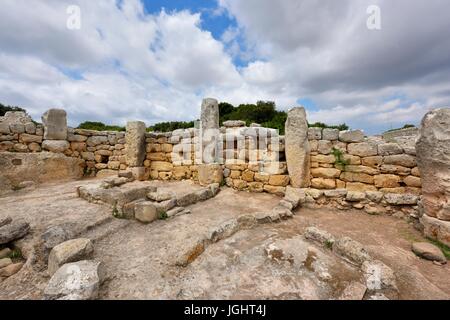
(69, 251)
(13, 231)
(76, 281)
(428, 251)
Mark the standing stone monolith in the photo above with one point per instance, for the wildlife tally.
(210, 114)
(209, 130)
(433, 158)
(55, 124)
(297, 148)
(210, 170)
(135, 143)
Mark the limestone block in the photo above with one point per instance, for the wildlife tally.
(325, 147)
(330, 134)
(436, 229)
(433, 157)
(56, 146)
(412, 181)
(404, 160)
(55, 124)
(321, 183)
(387, 149)
(363, 149)
(373, 162)
(279, 180)
(135, 143)
(328, 173)
(145, 212)
(359, 186)
(315, 133)
(69, 251)
(387, 181)
(297, 148)
(351, 136)
(210, 173)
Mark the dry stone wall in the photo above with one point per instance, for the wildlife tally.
(349, 160)
(102, 152)
(251, 158)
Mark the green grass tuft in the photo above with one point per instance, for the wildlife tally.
(444, 248)
(163, 216)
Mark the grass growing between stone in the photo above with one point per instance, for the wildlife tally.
(116, 214)
(329, 244)
(339, 158)
(15, 254)
(163, 216)
(444, 248)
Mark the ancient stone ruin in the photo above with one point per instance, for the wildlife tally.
(220, 190)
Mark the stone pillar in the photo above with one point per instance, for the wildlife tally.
(135, 148)
(433, 158)
(55, 131)
(210, 171)
(210, 114)
(297, 148)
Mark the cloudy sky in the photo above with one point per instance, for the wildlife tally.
(155, 60)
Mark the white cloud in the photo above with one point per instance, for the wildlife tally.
(132, 65)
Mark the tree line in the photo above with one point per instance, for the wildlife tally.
(264, 113)
(4, 109)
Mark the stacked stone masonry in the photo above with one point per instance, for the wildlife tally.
(349, 160)
(341, 165)
(253, 158)
(249, 160)
(102, 151)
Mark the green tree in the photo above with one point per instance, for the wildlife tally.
(99, 126)
(4, 109)
(171, 126)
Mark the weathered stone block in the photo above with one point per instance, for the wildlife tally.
(351, 136)
(436, 229)
(363, 149)
(387, 149)
(330, 134)
(404, 160)
(135, 143)
(387, 181)
(55, 124)
(145, 212)
(433, 157)
(321, 183)
(76, 281)
(315, 133)
(297, 148)
(210, 173)
(56, 146)
(279, 180)
(328, 173)
(69, 251)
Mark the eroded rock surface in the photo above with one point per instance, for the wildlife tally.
(433, 157)
(76, 281)
(297, 148)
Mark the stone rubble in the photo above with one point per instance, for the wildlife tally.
(76, 281)
(69, 251)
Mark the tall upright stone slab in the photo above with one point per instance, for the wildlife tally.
(55, 124)
(209, 171)
(210, 114)
(433, 158)
(297, 148)
(209, 130)
(135, 143)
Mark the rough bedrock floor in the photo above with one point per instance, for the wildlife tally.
(389, 240)
(140, 259)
